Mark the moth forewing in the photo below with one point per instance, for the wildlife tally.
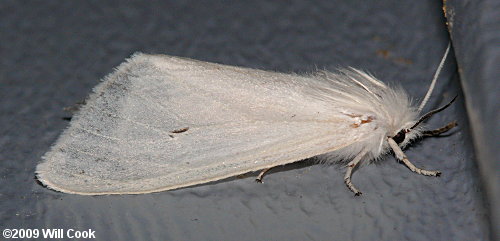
(160, 122)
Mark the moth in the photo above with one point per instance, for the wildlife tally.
(160, 122)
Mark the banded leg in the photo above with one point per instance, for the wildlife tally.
(348, 174)
(402, 157)
(441, 130)
(261, 175)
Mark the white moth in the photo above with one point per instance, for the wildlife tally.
(160, 123)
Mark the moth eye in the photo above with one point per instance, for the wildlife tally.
(400, 137)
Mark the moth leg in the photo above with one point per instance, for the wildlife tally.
(441, 130)
(402, 157)
(261, 175)
(348, 174)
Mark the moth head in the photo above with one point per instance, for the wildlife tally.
(400, 136)
(405, 134)
(410, 131)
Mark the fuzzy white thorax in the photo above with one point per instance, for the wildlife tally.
(360, 96)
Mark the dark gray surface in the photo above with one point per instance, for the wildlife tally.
(475, 30)
(53, 53)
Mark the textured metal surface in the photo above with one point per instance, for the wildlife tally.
(53, 53)
(475, 31)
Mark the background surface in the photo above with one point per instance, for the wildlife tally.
(474, 27)
(53, 53)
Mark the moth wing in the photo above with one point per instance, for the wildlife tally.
(159, 123)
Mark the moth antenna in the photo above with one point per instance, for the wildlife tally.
(432, 112)
(434, 79)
